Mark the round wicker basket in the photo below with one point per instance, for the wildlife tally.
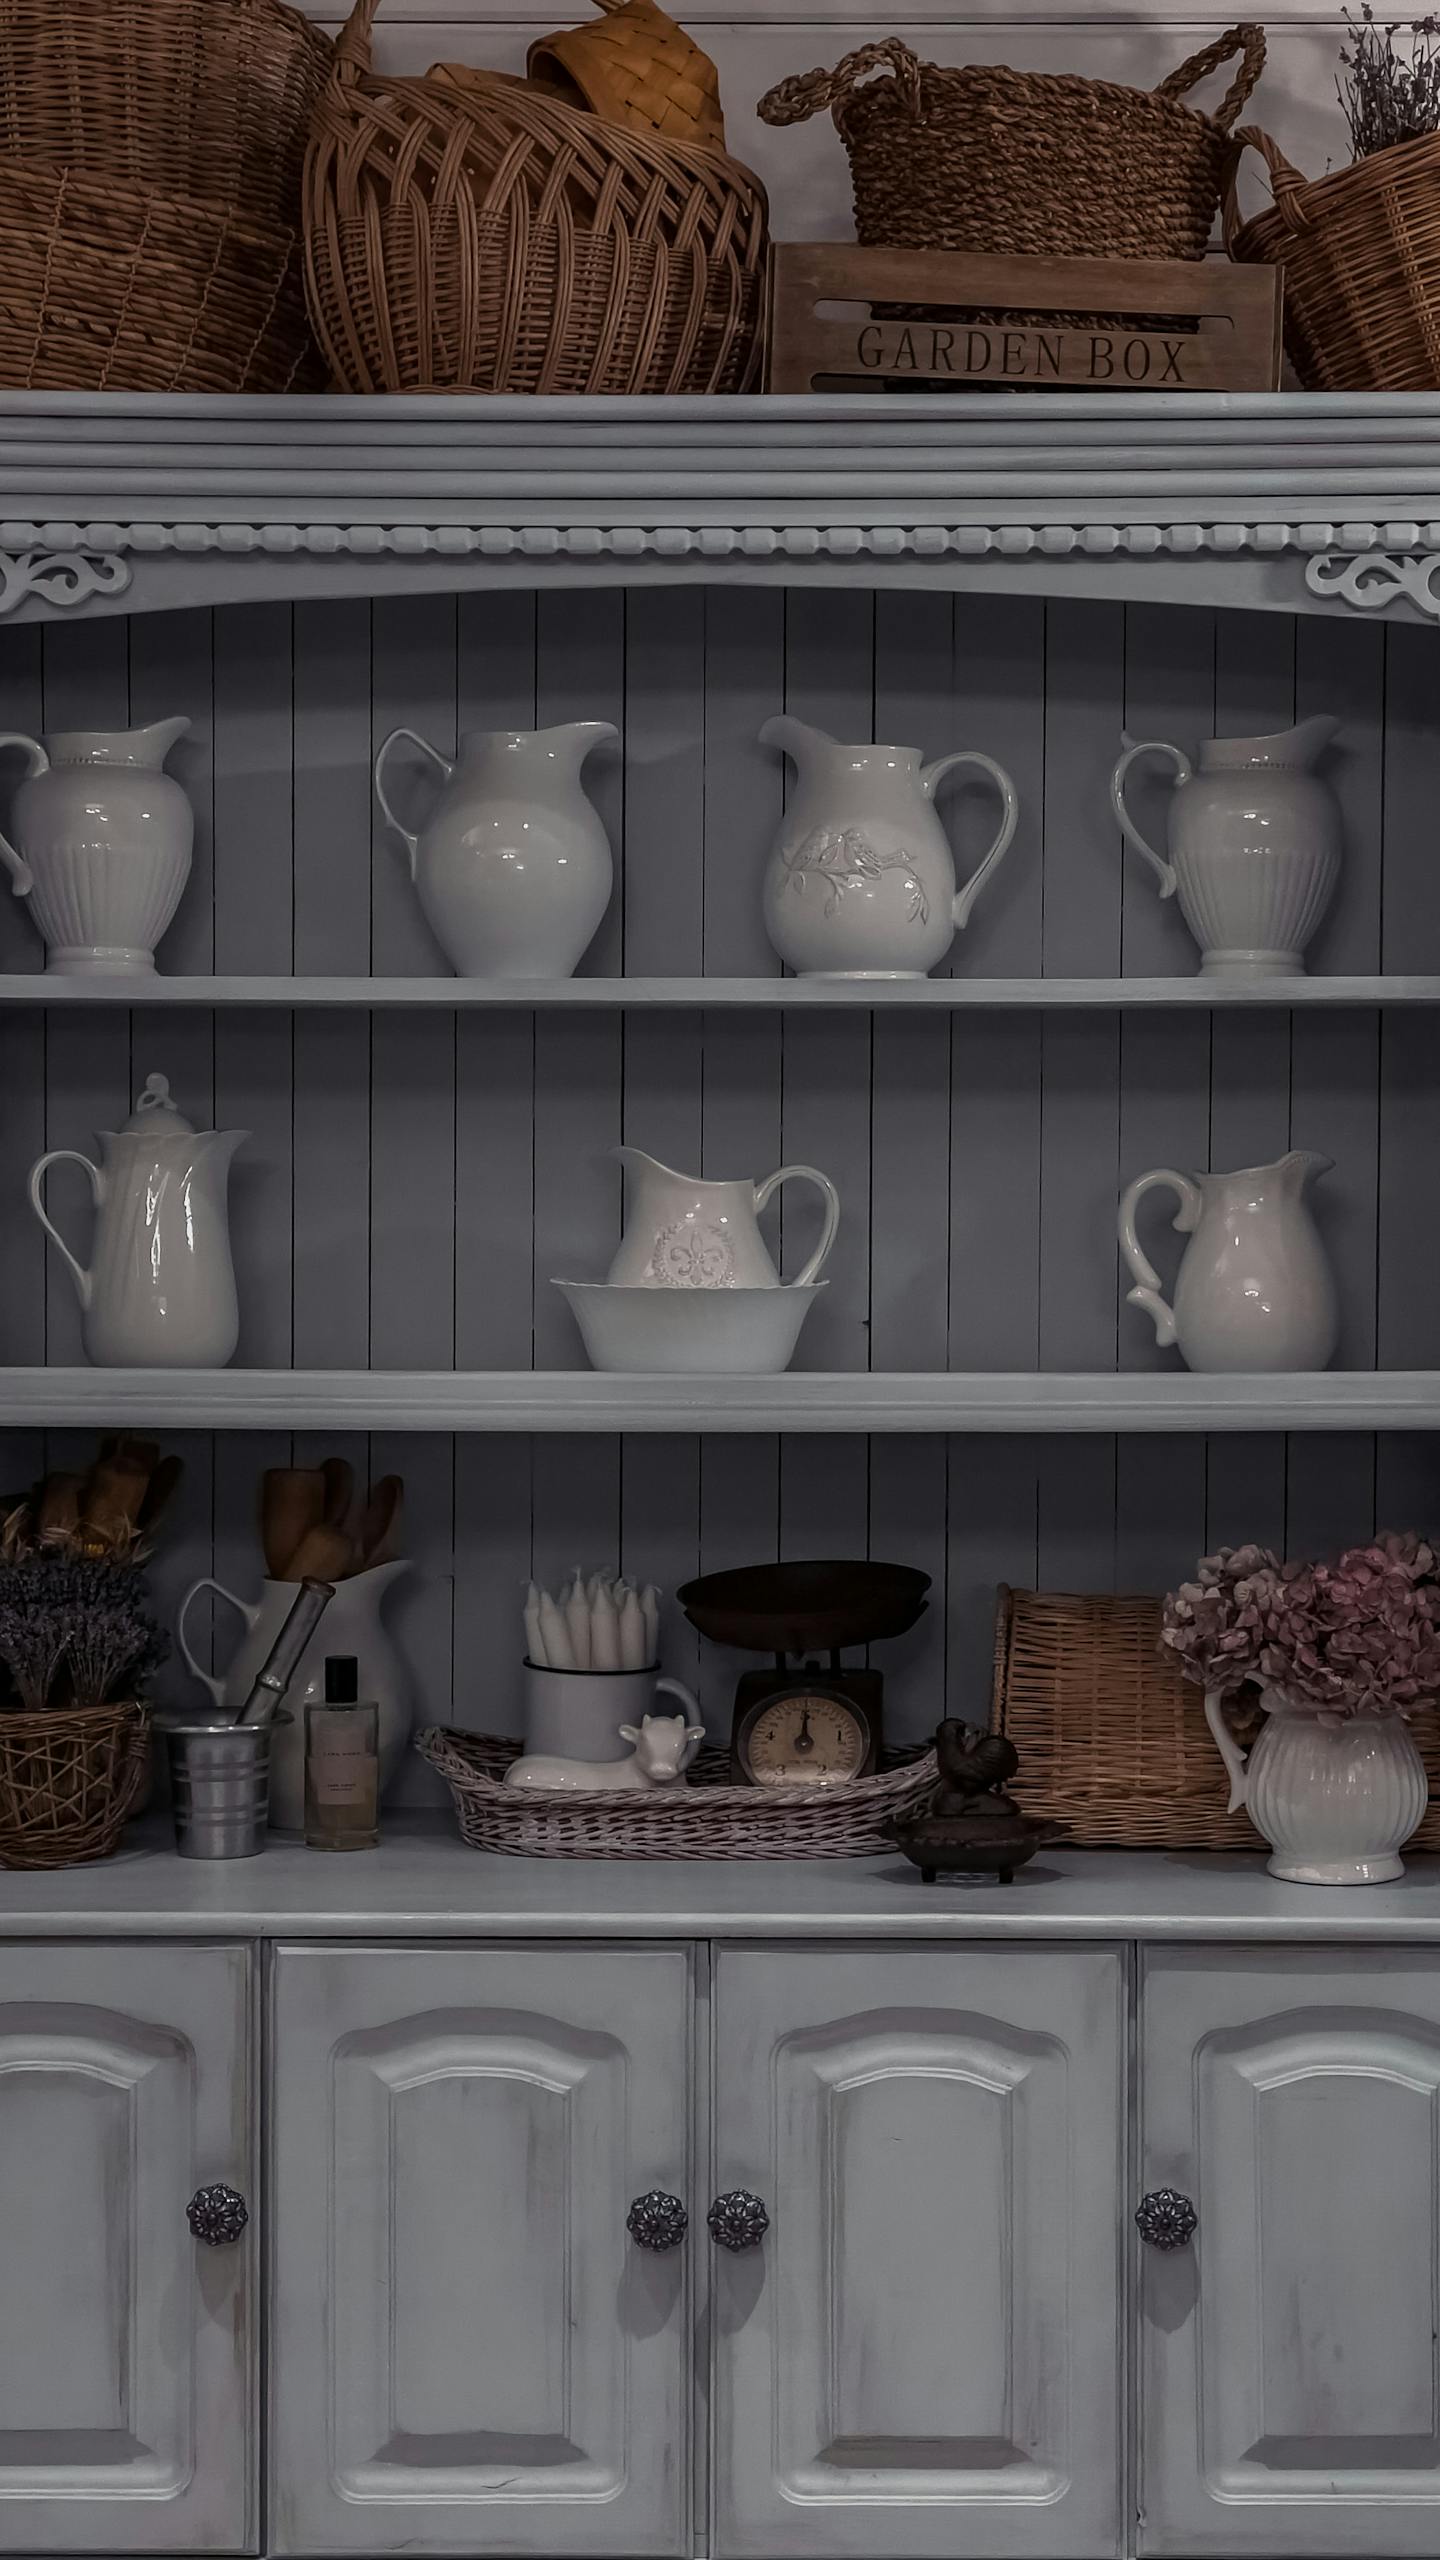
(1361, 254)
(983, 159)
(706, 1820)
(69, 1781)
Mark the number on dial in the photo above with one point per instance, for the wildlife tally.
(805, 1741)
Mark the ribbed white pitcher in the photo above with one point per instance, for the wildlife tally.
(1336, 1797)
(105, 839)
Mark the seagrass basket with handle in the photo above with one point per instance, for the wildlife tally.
(980, 158)
(492, 237)
(1360, 251)
(1112, 1738)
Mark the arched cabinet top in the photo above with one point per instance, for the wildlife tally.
(1296, 502)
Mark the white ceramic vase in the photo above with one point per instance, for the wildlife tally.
(105, 838)
(1255, 1290)
(1336, 1797)
(352, 1624)
(1254, 844)
(577, 1715)
(514, 869)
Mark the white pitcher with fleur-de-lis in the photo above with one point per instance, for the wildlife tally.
(861, 882)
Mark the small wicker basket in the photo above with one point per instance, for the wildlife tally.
(983, 159)
(69, 1781)
(1360, 250)
(488, 237)
(706, 1820)
(1112, 1738)
(637, 67)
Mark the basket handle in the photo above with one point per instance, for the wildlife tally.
(353, 58)
(1249, 43)
(792, 101)
(1286, 184)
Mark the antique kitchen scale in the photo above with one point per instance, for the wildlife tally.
(809, 1720)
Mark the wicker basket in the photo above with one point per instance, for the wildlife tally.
(1112, 1738)
(1027, 163)
(209, 99)
(637, 67)
(1360, 251)
(499, 240)
(105, 287)
(69, 1780)
(705, 1820)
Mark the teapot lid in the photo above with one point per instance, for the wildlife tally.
(155, 1115)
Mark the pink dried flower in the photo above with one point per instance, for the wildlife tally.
(1360, 1636)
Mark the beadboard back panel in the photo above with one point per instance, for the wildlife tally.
(411, 1183)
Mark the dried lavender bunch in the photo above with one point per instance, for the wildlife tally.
(32, 1633)
(76, 1634)
(1386, 95)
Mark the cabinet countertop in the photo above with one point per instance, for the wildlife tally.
(423, 1883)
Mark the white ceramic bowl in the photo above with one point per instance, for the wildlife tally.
(684, 1333)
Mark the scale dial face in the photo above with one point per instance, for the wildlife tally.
(803, 1738)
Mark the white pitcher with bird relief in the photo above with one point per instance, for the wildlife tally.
(861, 881)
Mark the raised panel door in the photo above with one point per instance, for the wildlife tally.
(126, 2347)
(921, 2357)
(469, 2353)
(1290, 2395)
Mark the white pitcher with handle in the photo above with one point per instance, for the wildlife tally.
(105, 837)
(1254, 845)
(861, 882)
(1255, 1290)
(685, 1233)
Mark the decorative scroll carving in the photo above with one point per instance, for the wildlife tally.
(1371, 580)
(62, 577)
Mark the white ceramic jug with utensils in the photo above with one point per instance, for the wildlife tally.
(104, 842)
(159, 1289)
(861, 882)
(513, 867)
(683, 1232)
(1254, 845)
(1255, 1289)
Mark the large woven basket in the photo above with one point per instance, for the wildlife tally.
(983, 159)
(1360, 251)
(1112, 1738)
(210, 99)
(636, 66)
(107, 287)
(708, 1820)
(69, 1780)
(491, 238)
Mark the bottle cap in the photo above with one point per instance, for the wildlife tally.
(342, 1680)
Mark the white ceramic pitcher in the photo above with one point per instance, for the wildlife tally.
(105, 839)
(861, 882)
(1254, 844)
(1336, 1797)
(1255, 1290)
(514, 869)
(352, 1624)
(159, 1292)
(685, 1233)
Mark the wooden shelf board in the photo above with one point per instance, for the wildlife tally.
(719, 994)
(802, 1400)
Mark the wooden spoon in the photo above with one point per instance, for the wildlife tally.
(380, 1522)
(158, 1493)
(325, 1554)
(57, 1504)
(339, 1478)
(292, 1503)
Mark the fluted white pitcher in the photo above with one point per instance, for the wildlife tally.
(1337, 1797)
(105, 837)
(1254, 845)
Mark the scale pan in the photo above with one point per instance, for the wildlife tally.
(805, 1608)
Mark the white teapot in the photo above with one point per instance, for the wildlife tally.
(861, 882)
(685, 1233)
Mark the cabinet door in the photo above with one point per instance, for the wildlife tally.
(921, 2356)
(469, 2353)
(1290, 2400)
(125, 2345)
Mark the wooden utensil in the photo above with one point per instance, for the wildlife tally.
(292, 1503)
(339, 1478)
(158, 1493)
(380, 1521)
(57, 1504)
(325, 1554)
(111, 1495)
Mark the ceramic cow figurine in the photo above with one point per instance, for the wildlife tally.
(664, 1747)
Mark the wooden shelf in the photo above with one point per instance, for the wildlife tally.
(802, 1400)
(719, 994)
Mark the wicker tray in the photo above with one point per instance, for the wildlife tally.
(706, 1819)
(1113, 1740)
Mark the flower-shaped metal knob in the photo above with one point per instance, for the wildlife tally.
(738, 2221)
(657, 2221)
(1166, 2219)
(217, 2215)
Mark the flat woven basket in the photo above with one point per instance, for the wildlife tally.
(706, 1820)
(636, 66)
(1360, 251)
(69, 1780)
(491, 238)
(1112, 1738)
(210, 99)
(108, 287)
(983, 159)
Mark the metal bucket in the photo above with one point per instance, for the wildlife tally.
(220, 1786)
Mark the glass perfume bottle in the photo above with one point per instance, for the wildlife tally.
(342, 1762)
